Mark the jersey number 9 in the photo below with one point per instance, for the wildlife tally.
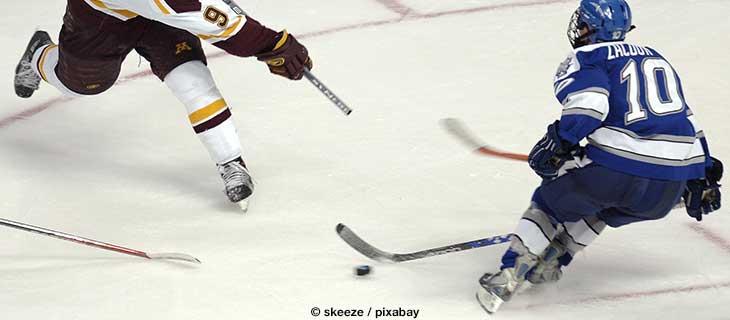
(216, 16)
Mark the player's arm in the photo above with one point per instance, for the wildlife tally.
(224, 24)
(700, 134)
(584, 96)
(583, 91)
(703, 196)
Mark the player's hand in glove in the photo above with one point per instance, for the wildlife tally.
(550, 153)
(702, 196)
(287, 58)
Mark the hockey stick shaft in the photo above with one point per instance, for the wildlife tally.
(94, 243)
(307, 74)
(479, 243)
(327, 92)
(460, 131)
(366, 249)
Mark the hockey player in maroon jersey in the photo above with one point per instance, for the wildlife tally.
(97, 35)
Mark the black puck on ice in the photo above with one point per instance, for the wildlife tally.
(362, 270)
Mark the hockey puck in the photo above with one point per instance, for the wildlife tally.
(362, 270)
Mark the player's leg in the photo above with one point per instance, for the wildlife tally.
(40, 62)
(210, 117)
(177, 58)
(27, 75)
(578, 201)
(572, 238)
(87, 59)
(533, 235)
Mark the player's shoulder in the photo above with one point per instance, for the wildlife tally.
(601, 56)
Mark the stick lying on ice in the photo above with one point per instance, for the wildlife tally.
(97, 244)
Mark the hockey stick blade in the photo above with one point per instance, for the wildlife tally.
(173, 256)
(361, 246)
(95, 243)
(458, 129)
(376, 254)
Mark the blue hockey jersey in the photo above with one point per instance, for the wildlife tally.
(628, 102)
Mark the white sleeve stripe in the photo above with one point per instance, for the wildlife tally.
(583, 112)
(592, 102)
(562, 84)
(586, 90)
(696, 125)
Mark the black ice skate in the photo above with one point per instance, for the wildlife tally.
(27, 80)
(237, 180)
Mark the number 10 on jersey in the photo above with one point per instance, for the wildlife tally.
(661, 89)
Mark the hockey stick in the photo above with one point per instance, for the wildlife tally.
(97, 244)
(376, 254)
(327, 92)
(308, 74)
(457, 128)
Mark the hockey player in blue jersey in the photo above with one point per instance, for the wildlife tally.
(644, 154)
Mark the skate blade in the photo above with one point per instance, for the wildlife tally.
(244, 205)
(489, 302)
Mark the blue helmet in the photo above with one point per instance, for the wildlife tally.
(606, 20)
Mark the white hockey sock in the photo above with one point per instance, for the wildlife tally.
(193, 84)
(535, 230)
(44, 64)
(578, 235)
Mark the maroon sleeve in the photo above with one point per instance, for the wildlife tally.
(252, 39)
(181, 6)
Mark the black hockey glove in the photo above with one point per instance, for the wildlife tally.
(702, 196)
(550, 153)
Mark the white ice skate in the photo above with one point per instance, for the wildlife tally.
(495, 289)
(548, 267)
(238, 183)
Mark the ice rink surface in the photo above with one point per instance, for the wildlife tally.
(125, 167)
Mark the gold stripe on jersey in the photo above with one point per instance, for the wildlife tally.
(42, 60)
(207, 111)
(162, 7)
(226, 33)
(124, 13)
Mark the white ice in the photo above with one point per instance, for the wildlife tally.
(125, 167)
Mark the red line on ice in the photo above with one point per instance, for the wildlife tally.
(396, 6)
(710, 236)
(32, 111)
(7, 121)
(634, 295)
